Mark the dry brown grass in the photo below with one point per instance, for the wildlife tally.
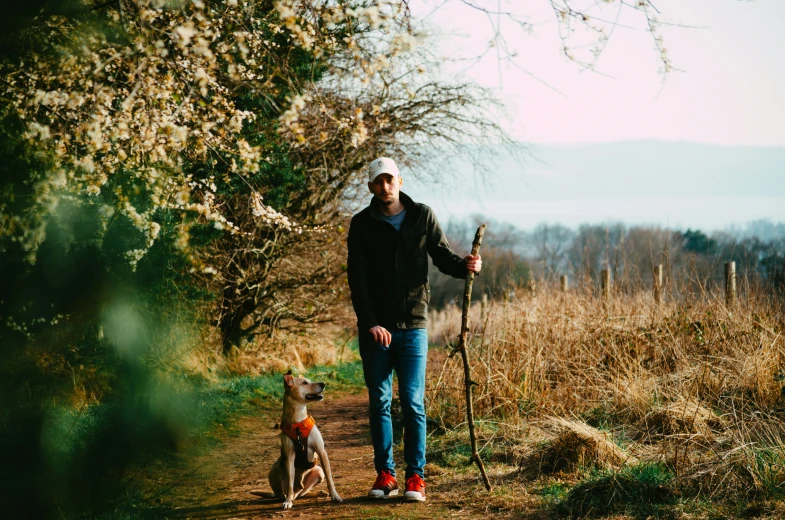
(575, 444)
(692, 384)
(683, 416)
(325, 345)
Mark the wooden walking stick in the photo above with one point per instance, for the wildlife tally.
(467, 298)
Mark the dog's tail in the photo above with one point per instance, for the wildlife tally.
(263, 494)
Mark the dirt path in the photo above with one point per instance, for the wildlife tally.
(220, 481)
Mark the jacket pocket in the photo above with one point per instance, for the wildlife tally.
(417, 302)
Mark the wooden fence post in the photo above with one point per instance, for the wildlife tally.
(606, 284)
(730, 283)
(657, 274)
(564, 283)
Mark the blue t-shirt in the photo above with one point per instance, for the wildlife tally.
(395, 220)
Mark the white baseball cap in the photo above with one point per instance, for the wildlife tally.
(383, 165)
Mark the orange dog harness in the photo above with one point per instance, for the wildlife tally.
(299, 432)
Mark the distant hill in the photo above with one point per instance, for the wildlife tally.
(634, 168)
(765, 230)
(679, 184)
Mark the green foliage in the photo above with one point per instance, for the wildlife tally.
(452, 449)
(697, 242)
(89, 384)
(86, 456)
(84, 384)
(455, 454)
(218, 403)
(19, 17)
(763, 470)
(553, 492)
(344, 377)
(640, 490)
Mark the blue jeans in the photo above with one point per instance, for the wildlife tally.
(407, 355)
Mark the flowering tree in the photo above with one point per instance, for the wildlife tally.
(243, 125)
(140, 114)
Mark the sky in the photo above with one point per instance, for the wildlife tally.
(731, 90)
(729, 93)
(678, 185)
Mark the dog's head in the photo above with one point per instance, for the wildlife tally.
(302, 389)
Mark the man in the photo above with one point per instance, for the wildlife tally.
(388, 275)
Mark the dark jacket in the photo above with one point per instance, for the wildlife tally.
(388, 269)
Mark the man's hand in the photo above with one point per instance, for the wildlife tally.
(473, 263)
(381, 335)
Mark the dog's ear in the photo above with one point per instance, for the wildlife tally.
(288, 379)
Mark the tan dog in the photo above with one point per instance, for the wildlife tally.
(296, 471)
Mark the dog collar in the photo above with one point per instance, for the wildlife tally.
(299, 430)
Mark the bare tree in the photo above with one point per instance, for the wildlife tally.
(585, 27)
(290, 278)
(550, 241)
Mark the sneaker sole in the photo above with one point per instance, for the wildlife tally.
(413, 497)
(379, 495)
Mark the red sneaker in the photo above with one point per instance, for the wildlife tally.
(415, 488)
(386, 486)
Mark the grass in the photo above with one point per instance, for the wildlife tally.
(641, 491)
(574, 444)
(452, 449)
(553, 492)
(221, 402)
(450, 454)
(590, 411)
(664, 409)
(215, 407)
(407, 512)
